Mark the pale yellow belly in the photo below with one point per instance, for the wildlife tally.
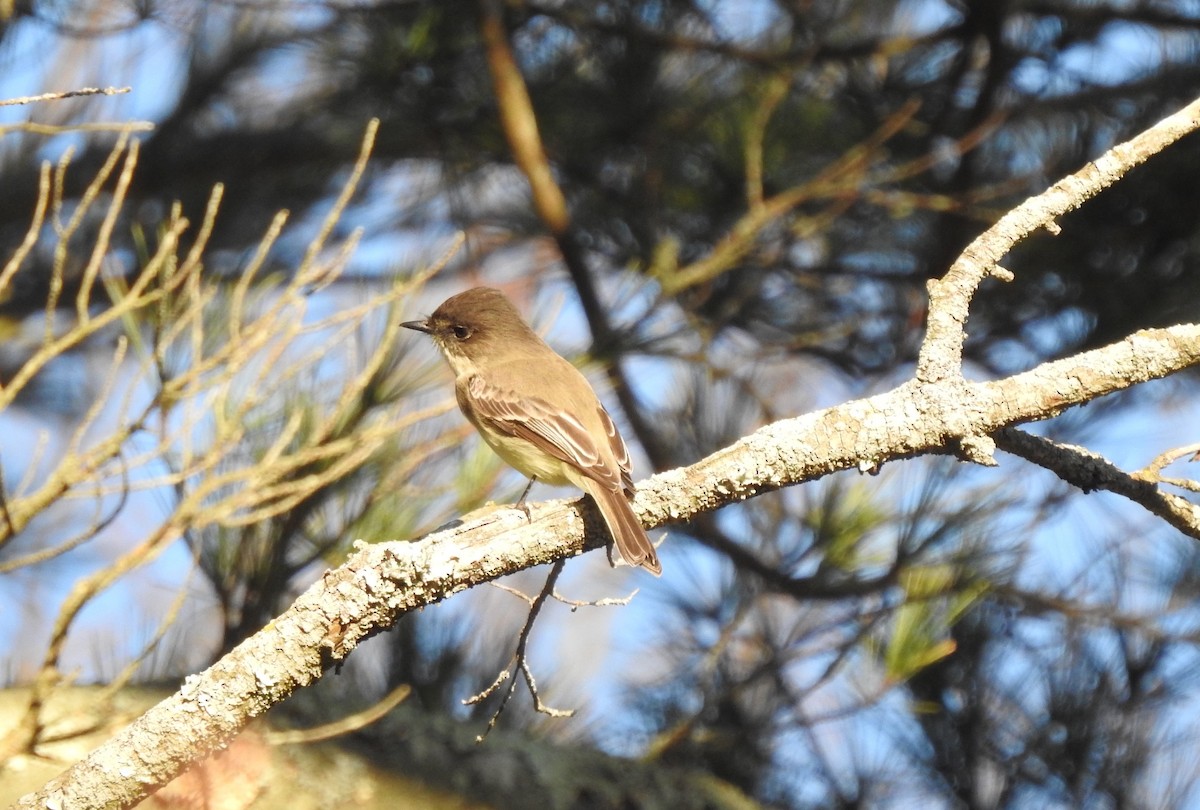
(529, 460)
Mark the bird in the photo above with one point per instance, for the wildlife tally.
(537, 411)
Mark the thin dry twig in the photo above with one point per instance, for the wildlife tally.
(611, 601)
(227, 381)
(573, 604)
(741, 236)
(343, 726)
(61, 94)
(8, 522)
(520, 661)
(95, 527)
(122, 679)
(1154, 468)
(35, 128)
(35, 227)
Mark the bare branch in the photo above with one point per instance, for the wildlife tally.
(61, 94)
(521, 662)
(1154, 468)
(1090, 471)
(950, 296)
(518, 119)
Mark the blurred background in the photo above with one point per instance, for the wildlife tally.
(197, 421)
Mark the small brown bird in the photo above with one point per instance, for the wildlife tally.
(536, 410)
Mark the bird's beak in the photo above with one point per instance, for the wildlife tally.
(420, 326)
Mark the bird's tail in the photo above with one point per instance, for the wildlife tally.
(626, 530)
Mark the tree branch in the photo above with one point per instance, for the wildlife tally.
(380, 582)
(1090, 471)
(950, 296)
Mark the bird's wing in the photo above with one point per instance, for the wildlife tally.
(619, 450)
(551, 430)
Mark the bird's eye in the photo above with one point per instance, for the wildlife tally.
(461, 332)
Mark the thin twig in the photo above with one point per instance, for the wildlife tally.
(1155, 467)
(343, 726)
(61, 94)
(611, 601)
(93, 530)
(35, 128)
(9, 528)
(519, 660)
